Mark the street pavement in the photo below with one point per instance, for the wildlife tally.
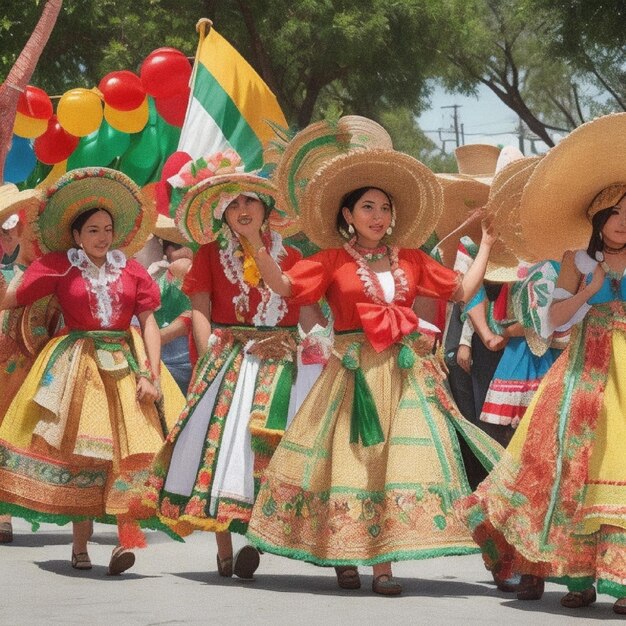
(177, 583)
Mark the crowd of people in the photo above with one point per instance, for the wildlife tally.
(444, 375)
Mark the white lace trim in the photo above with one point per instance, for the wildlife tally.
(103, 282)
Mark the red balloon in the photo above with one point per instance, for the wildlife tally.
(56, 144)
(165, 73)
(122, 90)
(34, 102)
(173, 109)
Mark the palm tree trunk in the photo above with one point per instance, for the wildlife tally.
(20, 74)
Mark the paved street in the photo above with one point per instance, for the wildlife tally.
(174, 583)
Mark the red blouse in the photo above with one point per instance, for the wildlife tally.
(207, 276)
(133, 293)
(333, 274)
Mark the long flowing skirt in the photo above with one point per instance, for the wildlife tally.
(75, 440)
(349, 484)
(555, 506)
(243, 394)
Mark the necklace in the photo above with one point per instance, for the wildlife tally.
(609, 250)
(372, 254)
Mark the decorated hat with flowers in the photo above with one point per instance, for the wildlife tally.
(87, 188)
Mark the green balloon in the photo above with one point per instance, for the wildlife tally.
(99, 148)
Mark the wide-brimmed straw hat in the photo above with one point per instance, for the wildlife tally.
(197, 214)
(415, 193)
(316, 144)
(12, 201)
(461, 197)
(94, 187)
(556, 199)
(165, 229)
(477, 159)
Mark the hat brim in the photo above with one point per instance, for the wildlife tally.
(195, 213)
(83, 189)
(12, 201)
(477, 159)
(415, 193)
(461, 196)
(556, 198)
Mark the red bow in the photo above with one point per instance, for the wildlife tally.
(385, 324)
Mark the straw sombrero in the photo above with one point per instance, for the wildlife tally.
(165, 228)
(555, 202)
(316, 144)
(195, 216)
(82, 189)
(477, 159)
(12, 201)
(415, 193)
(461, 197)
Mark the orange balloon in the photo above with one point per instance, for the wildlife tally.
(80, 112)
(128, 121)
(29, 127)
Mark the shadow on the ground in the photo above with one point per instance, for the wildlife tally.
(550, 603)
(98, 572)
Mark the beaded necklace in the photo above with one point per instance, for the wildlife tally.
(371, 254)
(615, 280)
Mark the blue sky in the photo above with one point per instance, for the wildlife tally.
(485, 119)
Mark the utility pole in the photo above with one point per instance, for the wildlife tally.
(521, 135)
(455, 115)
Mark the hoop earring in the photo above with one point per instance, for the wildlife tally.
(351, 229)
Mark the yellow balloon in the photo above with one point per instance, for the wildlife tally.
(29, 127)
(80, 112)
(127, 121)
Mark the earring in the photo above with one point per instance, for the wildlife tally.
(389, 230)
(351, 229)
(600, 235)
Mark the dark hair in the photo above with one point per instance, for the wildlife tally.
(349, 201)
(165, 243)
(597, 223)
(79, 221)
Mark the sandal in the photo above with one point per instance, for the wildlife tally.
(386, 585)
(578, 599)
(225, 566)
(121, 560)
(6, 532)
(530, 587)
(246, 562)
(81, 560)
(620, 606)
(508, 585)
(348, 577)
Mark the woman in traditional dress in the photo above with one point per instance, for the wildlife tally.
(84, 427)
(249, 379)
(370, 467)
(555, 506)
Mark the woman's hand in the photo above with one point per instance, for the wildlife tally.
(464, 358)
(597, 281)
(147, 391)
(495, 342)
(250, 232)
(489, 235)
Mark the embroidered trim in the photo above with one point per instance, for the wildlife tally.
(102, 282)
(370, 281)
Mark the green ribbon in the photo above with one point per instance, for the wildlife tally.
(279, 408)
(364, 423)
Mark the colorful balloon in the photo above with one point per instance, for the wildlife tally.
(128, 121)
(122, 90)
(99, 148)
(28, 127)
(165, 73)
(80, 112)
(173, 109)
(56, 144)
(20, 161)
(34, 102)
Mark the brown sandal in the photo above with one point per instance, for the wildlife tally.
(6, 532)
(620, 606)
(386, 585)
(348, 577)
(530, 587)
(246, 562)
(121, 560)
(81, 560)
(225, 566)
(579, 599)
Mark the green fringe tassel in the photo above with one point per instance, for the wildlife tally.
(277, 418)
(406, 357)
(364, 422)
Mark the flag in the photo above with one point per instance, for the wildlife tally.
(230, 104)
